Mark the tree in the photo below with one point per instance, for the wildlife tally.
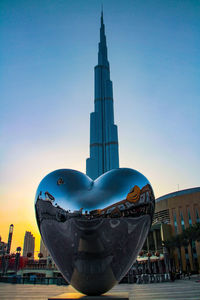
(187, 237)
(178, 241)
(169, 245)
(192, 234)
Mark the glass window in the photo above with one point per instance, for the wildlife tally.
(194, 247)
(189, 217)
(197, 215)
(182, 221)
(175, 223)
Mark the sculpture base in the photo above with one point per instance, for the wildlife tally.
(79, 296)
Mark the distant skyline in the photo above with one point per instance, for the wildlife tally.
(48, 52)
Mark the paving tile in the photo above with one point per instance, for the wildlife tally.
(180, 289)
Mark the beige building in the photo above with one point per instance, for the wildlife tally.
(3, 247)
(43, 249)
(29, 244)
(178, 210)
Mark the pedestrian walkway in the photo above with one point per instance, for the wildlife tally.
(180, 289)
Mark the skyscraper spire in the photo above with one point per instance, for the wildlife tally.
(103, 132)
(102, 55)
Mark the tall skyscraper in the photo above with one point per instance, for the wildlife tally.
(10, 238)
(104, 154)
(29, 244)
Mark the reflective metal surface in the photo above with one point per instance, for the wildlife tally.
(94, 230)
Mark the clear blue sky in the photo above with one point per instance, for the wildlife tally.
(47, 55)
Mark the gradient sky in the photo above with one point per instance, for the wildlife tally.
(47, 55)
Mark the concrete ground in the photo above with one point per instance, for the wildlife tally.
(180, 289)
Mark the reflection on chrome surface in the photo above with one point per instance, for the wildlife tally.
(94, 230)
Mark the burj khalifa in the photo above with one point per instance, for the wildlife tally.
(104, 153)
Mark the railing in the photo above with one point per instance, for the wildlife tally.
(30, 267)
(145, 278)
(33, 280)
(39, 267)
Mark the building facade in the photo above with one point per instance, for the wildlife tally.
(3, 247)
(29, 244)
(43, 250)
(10, 234)
(178, 211)
(104, 154)
(174, 213)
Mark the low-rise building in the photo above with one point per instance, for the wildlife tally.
(174, 213)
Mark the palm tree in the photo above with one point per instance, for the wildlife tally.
(192, 234)
(169, 245)
(197, 229)
(187, 237)
(178, 242)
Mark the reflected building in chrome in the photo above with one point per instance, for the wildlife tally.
(100, 226)
(104, 154)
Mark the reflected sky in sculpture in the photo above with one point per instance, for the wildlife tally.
(94, 229)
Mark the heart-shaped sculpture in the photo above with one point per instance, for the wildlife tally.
(94, 230)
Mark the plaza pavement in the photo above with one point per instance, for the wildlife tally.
(180, 289)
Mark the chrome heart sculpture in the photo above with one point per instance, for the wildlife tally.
(94, 230)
